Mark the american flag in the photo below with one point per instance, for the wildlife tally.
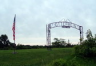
(13, 28)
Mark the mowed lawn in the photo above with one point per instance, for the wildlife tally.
(33, 57)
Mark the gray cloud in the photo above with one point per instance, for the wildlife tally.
(33, 15)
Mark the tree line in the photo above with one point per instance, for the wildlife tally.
(6, 44)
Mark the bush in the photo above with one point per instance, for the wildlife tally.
(59, 62)
(87, 47)
(62, 62)
(85, 50)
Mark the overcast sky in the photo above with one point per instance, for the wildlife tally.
(33, 15)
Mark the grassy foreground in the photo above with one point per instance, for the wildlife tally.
(43, 57)
(33, 57)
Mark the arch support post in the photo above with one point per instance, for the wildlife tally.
(48, 37)
(81, 33)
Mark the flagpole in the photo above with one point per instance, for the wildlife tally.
(14, 47)
(13, 28)
(14, 36)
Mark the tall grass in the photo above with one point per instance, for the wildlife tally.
(33, 57)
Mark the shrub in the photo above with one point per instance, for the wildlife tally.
(62, 62)
(87, 47)
(59, 62)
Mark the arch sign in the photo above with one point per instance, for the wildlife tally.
(63, 24)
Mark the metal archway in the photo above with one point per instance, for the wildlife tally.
(63, 24)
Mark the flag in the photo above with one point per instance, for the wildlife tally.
(13, 28)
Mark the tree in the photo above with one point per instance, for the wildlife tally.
(90, 39)
(62, 42)
(4, 39)
(58, 42)
(1, 44)
(89, 34)
(5, 43)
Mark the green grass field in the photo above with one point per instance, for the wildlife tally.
(42, 57)
(33, 57)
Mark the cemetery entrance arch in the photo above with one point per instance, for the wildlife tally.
(63, 24)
